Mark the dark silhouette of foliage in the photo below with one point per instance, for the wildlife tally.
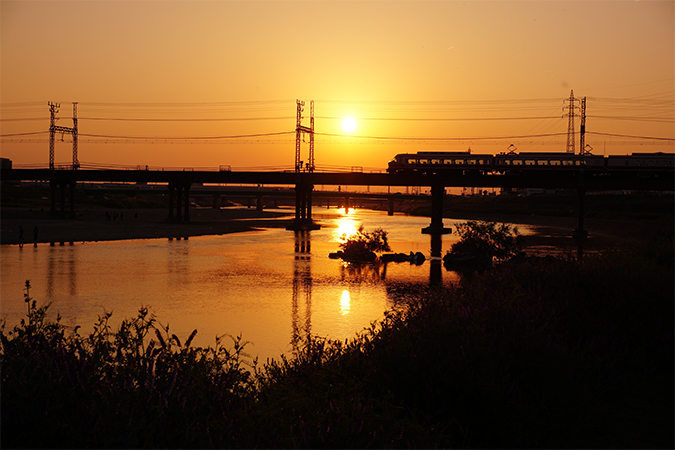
(364, 245)
(487, 240)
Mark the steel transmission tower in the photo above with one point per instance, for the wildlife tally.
(299, 129)
(53, 129)
(570, 125)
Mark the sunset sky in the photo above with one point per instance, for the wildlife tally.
(209, 83)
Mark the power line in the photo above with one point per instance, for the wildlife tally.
(445, 119)
(651, 138)
(194, 138)
(442, 138)
(23, 134)
(232, 119)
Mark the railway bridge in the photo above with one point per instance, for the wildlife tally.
(179, 182)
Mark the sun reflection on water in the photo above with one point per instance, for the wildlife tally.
(345, 302)
(346, 227)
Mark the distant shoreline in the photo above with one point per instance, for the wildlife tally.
(91, 225)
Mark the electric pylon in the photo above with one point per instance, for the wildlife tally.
(570, 125)
(299, 129)
(53, 129)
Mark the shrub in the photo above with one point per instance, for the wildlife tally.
(363, 245)
(487, 240)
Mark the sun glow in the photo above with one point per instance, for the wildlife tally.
(347, 227)
(345, 303)
(349, 124)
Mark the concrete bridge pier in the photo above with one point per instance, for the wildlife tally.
(186, 213)
(580, 232)
(259, 202)
(390, 211)
(62, 186)
(303, 209)
(436, 226)
(179, 194)
(346, 204)
(216, 201)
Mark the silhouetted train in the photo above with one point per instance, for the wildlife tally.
(551, 163)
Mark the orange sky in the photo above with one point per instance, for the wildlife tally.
(478, 74)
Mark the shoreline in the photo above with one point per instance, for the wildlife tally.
(92, 225)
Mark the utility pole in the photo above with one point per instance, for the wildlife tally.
(582, 132)
(76, 161)
(53, 109)
(299, 129)
(53, 129)
(570, 125)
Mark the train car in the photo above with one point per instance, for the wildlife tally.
(441, 162)
(551, 163)
(642, 164)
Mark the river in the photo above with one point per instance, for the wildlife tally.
(272, 287)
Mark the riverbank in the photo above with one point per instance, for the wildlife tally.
(95, 223)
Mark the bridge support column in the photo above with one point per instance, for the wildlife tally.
(186, 191)
(580, 232)
(259, 203)
(172, 189)
(303, 209)
(216, 201)
(436, 226)
(346, 202)
(390, 212)
(53, 186)
(72, 198)
(62, 186)
(179, 204)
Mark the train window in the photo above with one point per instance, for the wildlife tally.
(459, 161)
(542, 162)
(529, 162)
(568, 163)
(471, 161)
(506, 162)
(517, 162)
(435, 161)
(424, 161)
(447, 161)
(554, 162)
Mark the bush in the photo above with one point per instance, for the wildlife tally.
(487, 240)
(363, 245)
(118, 389)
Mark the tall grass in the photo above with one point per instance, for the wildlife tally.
(530, 354)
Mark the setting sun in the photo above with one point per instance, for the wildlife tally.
(349, 124)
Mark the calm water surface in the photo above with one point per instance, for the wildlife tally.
(270, 286)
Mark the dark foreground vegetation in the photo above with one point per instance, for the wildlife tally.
(533, 353)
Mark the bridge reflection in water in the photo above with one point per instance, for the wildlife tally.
(301, 307)
(302, 290)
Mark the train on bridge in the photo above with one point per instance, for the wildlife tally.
(465, 163)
